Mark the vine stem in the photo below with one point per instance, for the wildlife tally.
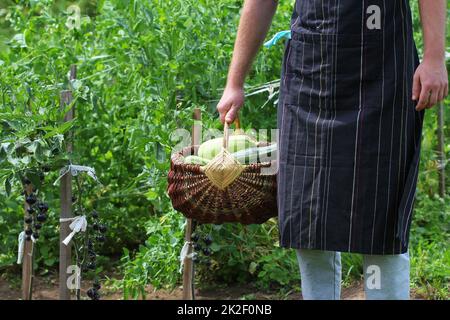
(80, 262)
(79, 266)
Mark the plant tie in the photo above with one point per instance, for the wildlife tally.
(79, 223)
(184, 253)
(75, 170)
(22, 246)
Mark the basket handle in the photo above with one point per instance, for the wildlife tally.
(226, 134)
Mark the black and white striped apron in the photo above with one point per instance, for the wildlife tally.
(349, 132)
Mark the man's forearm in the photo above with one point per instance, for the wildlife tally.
(433, 15)
(253, 27)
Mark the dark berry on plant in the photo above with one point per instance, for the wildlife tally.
(30, 210)
(26, 181)
(95, 214)
(31, 199)
(41, 217)
(207, 251)
(207, 263)
(102, 228)
(46, 168)
(28, 220)
(28, 238)
(91, 292)
(101, 238)
(43, 207)
(36, 235)
(96, 296)
(95, 226)
(197, 247)
(207, 240)
(97, 286)
(28, 232)
(38, 226)
(74, 198)
(195, 237)
(91, 265)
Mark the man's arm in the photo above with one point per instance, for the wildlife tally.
(254, 24)
(430, 79)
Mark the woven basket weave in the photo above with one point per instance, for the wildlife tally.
(223, 190)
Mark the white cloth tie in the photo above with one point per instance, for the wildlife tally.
(79, 223)
(184, 254)
(75, 170)
(22, 246)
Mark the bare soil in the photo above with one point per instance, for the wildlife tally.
(46, 288)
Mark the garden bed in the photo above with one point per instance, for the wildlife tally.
(46, 288)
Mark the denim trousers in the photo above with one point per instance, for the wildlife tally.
(386, 277)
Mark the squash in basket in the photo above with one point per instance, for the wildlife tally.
(195, 160)
(209, 149)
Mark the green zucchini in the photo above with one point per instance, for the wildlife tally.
(210, 148)
(195, 160)
(256, 154)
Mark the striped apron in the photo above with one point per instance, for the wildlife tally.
(349, 133)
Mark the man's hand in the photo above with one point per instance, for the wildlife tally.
(230, 103)
(430, 84)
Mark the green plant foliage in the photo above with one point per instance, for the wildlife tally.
(430, 272)
(157, 263)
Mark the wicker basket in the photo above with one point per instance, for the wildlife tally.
(250, 196)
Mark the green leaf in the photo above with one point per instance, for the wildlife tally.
(151, 195)
(2, 154)
(60, 129)
(215, 247)
(31, 147)
(50, 261)
(108, 155)
(252, 267)
(8, 185)
(41, 152)
(35, 179)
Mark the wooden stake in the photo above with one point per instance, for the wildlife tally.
(188, 267)
(441, 148)
(65, 252)
(27, 260)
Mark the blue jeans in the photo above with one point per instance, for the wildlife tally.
(386, 277)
